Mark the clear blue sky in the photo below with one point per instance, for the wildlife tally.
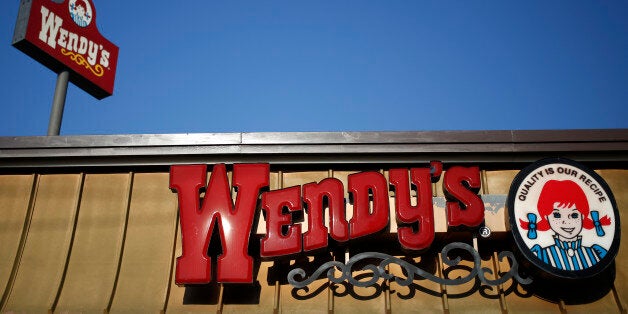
(255, 66)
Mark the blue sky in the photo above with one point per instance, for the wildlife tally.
(258, 66)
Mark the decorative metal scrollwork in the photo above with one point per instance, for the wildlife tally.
(379, 271)
(98, 70)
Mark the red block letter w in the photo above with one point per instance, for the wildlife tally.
(234, 225)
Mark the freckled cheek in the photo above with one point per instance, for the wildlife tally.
(555, 222)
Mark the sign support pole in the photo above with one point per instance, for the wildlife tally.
(58, 103)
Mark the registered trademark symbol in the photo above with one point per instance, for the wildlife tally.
(485, 232)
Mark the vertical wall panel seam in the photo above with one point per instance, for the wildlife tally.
(330, 287)
(484, 180)
(500, 288)
(129, 195)
(562, 307)
(77, 208)
(496, 267)
(439, 266)
(23, 237)
(386, 282)
(386, 287)
(221, 295)
(277, 299)
(172, 259)
(443, 288)
(618, 300)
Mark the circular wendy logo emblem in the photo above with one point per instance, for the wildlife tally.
(81, 12)
(564, 218)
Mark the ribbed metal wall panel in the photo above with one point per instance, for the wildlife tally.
(108, 242)
(89, 224)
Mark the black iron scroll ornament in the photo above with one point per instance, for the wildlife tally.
(379, 271)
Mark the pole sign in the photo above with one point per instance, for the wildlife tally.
(62, 34)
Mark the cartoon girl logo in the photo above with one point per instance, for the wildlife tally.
(564, 218)
(563, 208)
(81, 12)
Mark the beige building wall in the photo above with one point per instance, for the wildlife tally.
(94, 242)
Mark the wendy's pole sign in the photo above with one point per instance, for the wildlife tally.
(62, 35)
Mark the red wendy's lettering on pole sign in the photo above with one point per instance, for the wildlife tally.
(62, 35)
(234, 223)
(461, 185)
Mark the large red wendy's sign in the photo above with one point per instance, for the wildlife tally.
(371, 213)
(62, 35)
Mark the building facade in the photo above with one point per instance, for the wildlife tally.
(91, 224)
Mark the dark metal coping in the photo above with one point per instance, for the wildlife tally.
(310, 148)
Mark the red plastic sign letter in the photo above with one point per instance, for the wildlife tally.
(362, 186)
(472, 214)
(422, 213)
(275, 242)
(234, 224)
(314, 195)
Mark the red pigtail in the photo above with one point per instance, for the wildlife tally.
(587, 222)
